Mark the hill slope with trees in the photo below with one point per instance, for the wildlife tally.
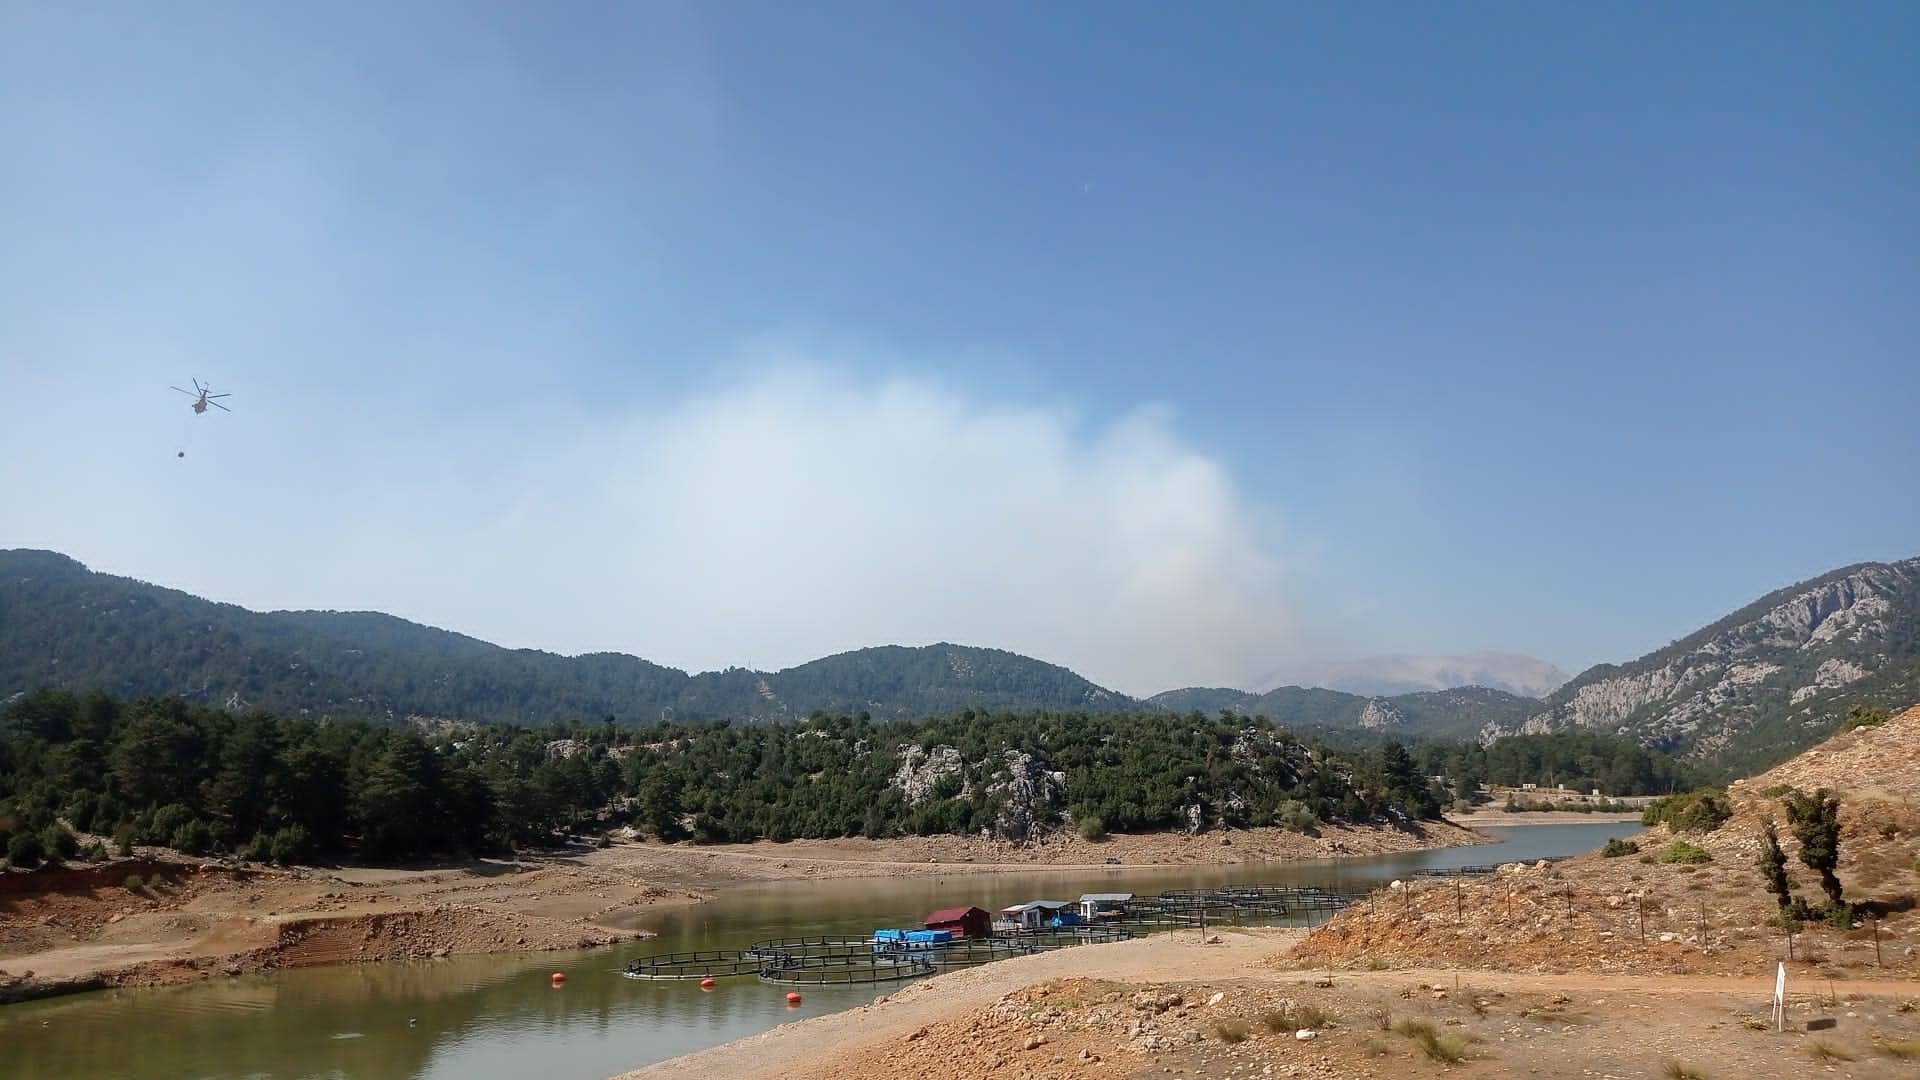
(62, 625)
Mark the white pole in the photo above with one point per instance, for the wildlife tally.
(1780, 998)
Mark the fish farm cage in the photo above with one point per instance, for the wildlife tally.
(890, 956)
(1237, 905)
(825, 961)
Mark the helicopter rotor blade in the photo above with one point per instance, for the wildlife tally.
(210, 397)
(189, 393)
(217, 405)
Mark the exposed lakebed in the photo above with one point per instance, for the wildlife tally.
(482, 1017)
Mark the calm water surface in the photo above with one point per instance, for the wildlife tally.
(487, 1017)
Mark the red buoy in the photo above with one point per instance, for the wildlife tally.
(706, 984)
(793, 999)
(558, 978)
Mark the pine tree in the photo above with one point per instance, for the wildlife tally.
(1773, 865)
(1816, 824)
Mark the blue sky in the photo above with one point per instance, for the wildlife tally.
(1173, 344)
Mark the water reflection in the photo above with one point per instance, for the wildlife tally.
(498, 1016)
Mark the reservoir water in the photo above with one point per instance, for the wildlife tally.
(488, 1017)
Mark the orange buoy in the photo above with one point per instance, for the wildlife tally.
(793, 999)
(559, 977)
(706, 984)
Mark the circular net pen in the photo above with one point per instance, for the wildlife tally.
(690, 965)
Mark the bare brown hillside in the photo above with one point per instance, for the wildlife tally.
(1639, 914)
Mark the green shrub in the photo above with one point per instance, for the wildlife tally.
(1864, 716)
(1683, 852)
(95, 852)
(166, 821)
(124, 838)
(193, 838)
(1616, 848)
(59, 842)
(25, 850)
(258, 849)
(1696, 811)
(291, 845)
(1091, 827)
(1297, 815)
(134, 883)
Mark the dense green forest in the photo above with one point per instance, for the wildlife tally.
(1581, 760)
(162, 771)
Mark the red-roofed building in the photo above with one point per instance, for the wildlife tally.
(963, 921)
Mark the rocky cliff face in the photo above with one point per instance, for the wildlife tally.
(1778, 674)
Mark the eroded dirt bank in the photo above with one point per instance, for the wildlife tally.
(84, 928)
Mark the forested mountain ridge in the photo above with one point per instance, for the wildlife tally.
(1772, 678)
(1744, 692)
(62, 625)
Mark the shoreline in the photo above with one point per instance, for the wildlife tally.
(1493, 819)
(82, 929)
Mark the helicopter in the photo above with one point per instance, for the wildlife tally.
(202, 398)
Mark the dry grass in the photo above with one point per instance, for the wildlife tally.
(1826, 1053)
(1449, 1049)
(1230, 1030)
(1675, 1070)
(1294, 1017)
(1906, 1050)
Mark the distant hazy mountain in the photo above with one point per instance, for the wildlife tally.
(1770, 679)
(1459, 713)
(1401, 674)
(64, 625)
